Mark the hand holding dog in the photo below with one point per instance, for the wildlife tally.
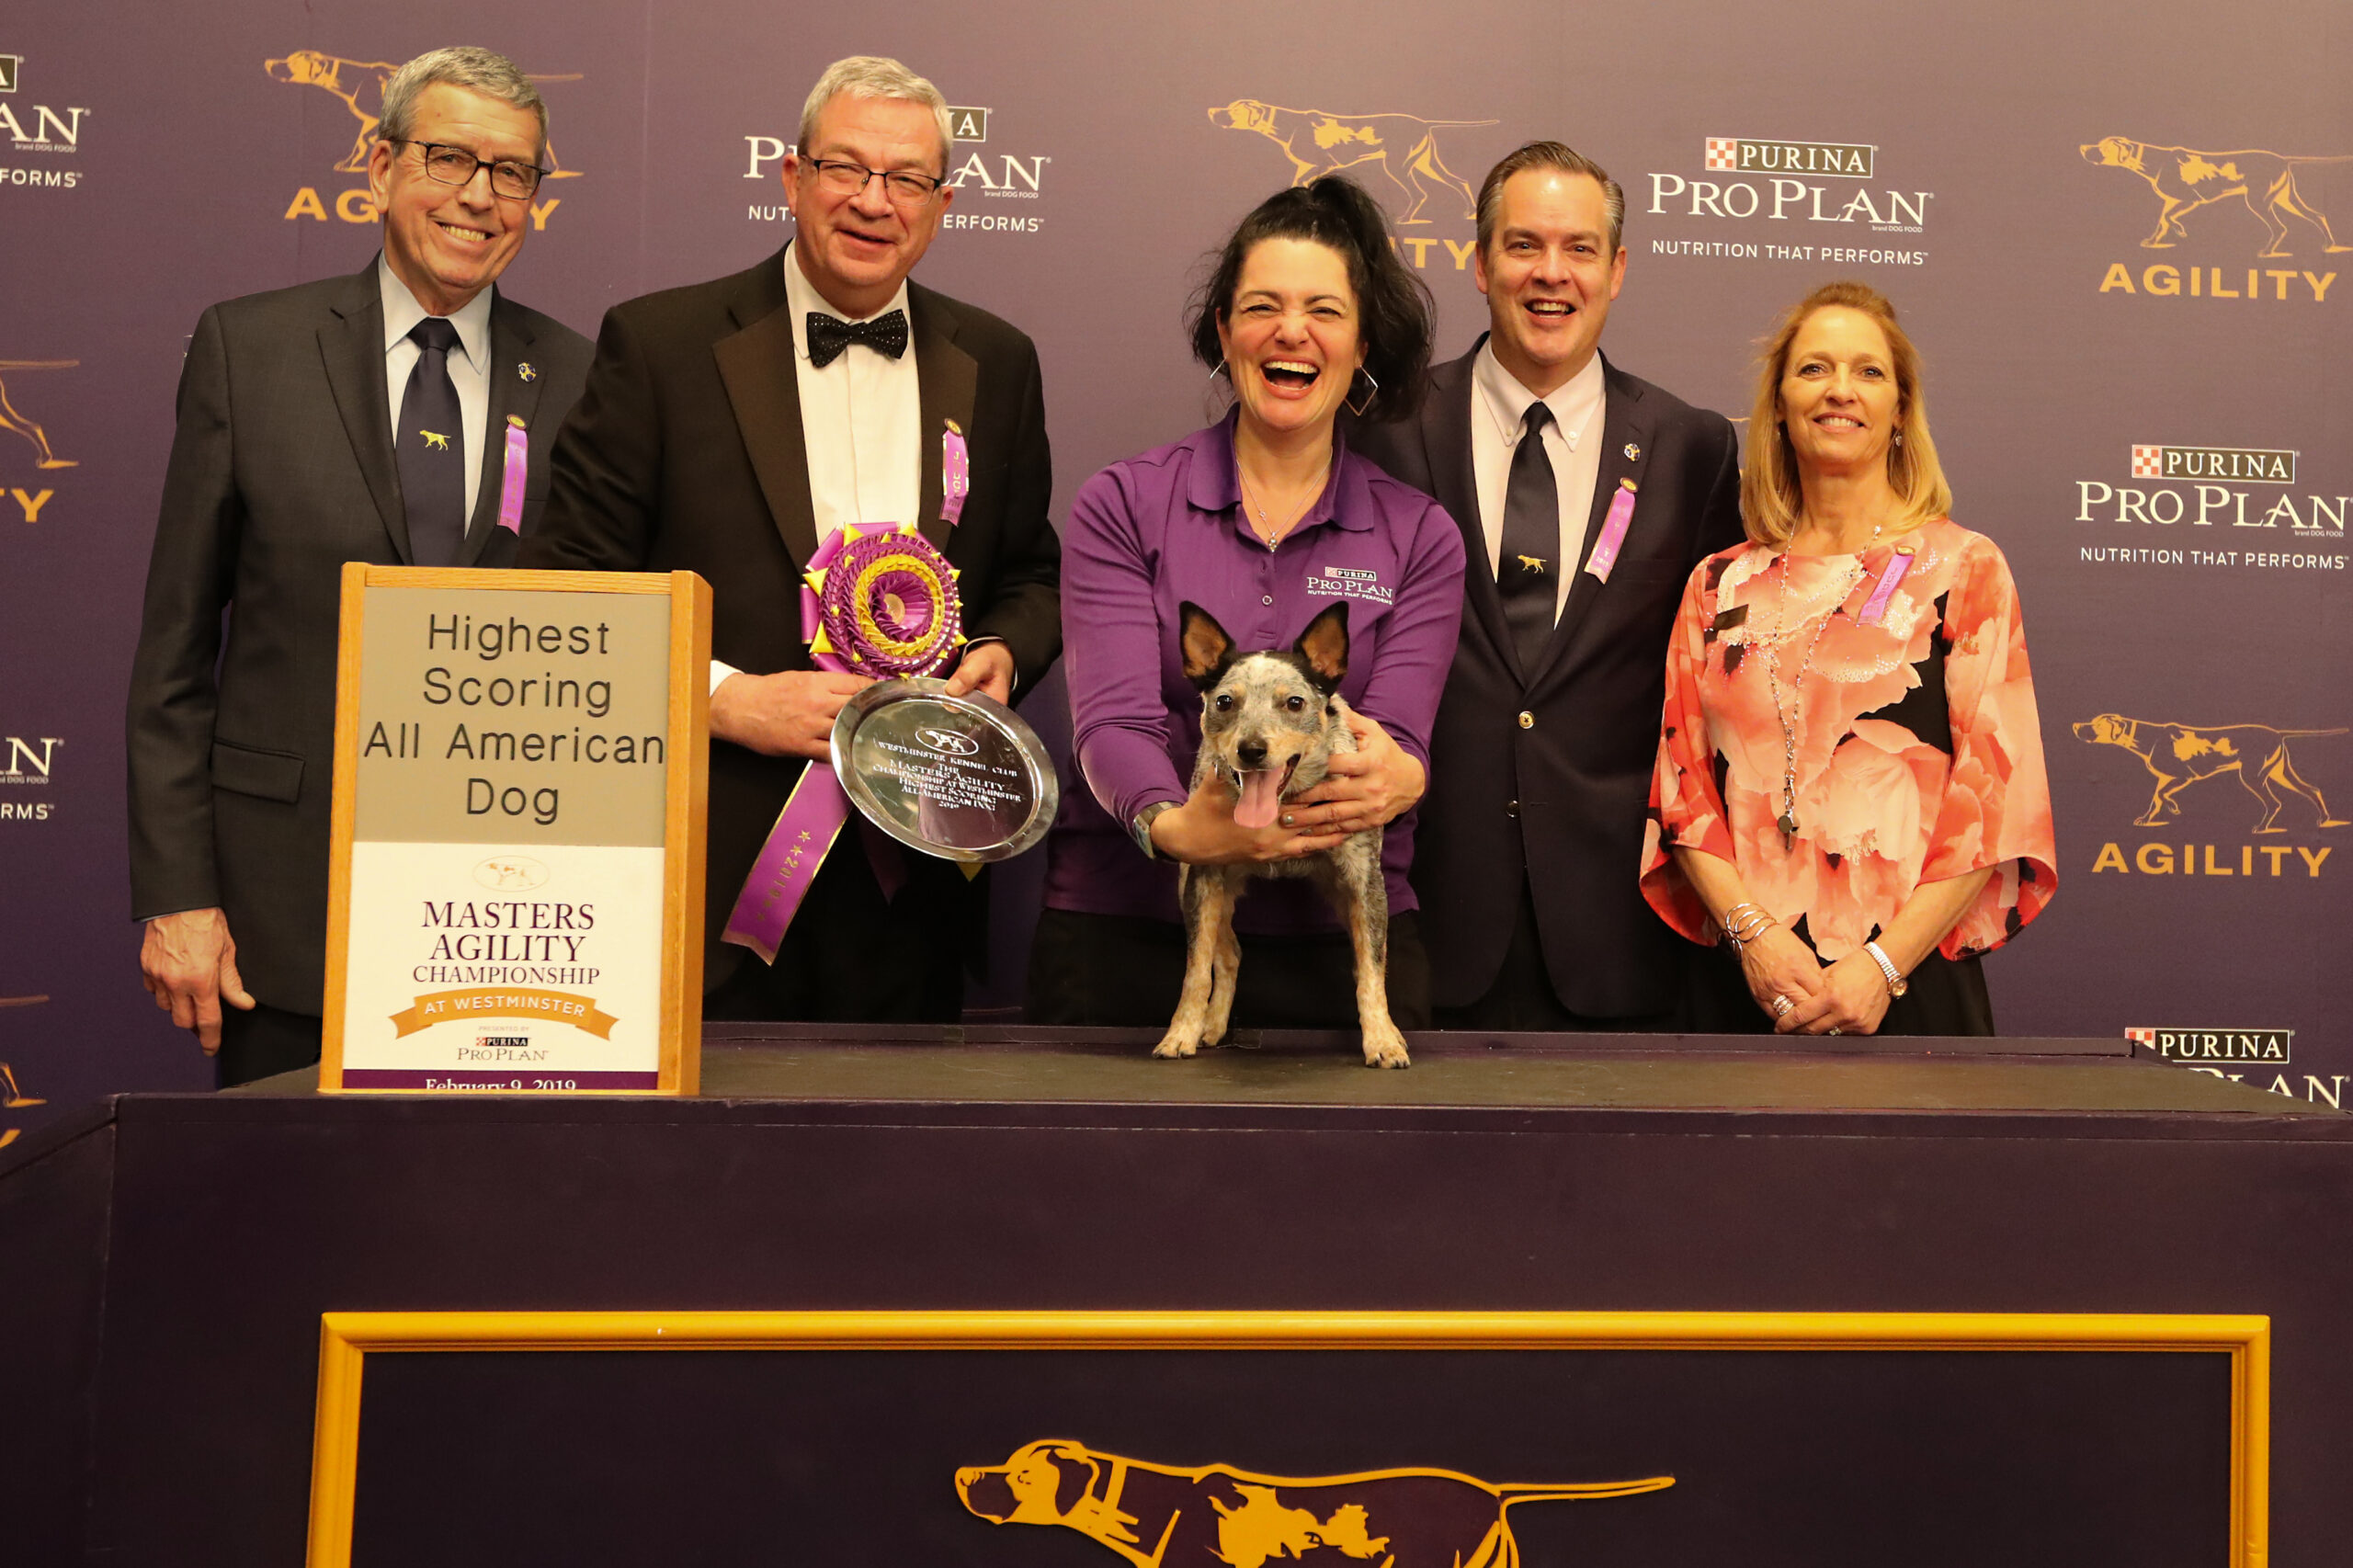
(1202, 831)
(1368, 788)
(790, 713)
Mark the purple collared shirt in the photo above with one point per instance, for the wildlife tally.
(1166, 526)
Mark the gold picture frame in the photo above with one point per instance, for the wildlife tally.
(347, 1339)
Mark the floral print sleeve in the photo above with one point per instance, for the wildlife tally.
(1882, 699)
(1686, 808)
(1996, 805)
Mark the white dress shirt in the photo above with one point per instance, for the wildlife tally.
(861, 423)
(861, 418)
(469, 366)
(1573, 440)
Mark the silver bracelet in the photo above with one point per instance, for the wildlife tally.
(1896, 984)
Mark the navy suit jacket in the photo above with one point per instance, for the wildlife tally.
(1543, 776)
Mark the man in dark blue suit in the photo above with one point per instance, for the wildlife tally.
(1589, 494)
(356, 418)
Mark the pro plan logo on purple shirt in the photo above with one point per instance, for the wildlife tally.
(1349, 582)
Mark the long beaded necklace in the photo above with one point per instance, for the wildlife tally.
(1267, 529)
(1788, 821)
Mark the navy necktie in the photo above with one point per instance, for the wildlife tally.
(829, 335)
(1526, 575)
(431, 450)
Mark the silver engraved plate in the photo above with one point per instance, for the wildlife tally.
(961, 778)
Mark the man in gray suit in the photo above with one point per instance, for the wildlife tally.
(358, 418)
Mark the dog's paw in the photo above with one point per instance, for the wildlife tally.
(1385, 1048)
(1174, 1044)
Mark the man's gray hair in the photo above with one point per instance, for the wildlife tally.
(476, 70)
(874, 77)
(1549, 155)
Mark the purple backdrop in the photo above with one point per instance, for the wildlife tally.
(2154, 433)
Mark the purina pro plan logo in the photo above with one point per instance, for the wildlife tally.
(2292, 523)
(1753, 181)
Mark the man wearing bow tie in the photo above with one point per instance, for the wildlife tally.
(1590, 494)
(728, 427)
(355, 418)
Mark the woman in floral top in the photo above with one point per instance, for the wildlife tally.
(1850, 791)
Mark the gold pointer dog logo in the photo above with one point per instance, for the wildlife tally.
(1319, 142)
(361, 85)
(17, 423)
(1153, 1515)
(2179, 756)
(2185, 180)
(11, 1097)
(435, 442)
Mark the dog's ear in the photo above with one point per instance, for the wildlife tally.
(1076, 1472)
(1207, 649)
(1325, 646)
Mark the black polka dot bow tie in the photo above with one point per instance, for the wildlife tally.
(829, 335)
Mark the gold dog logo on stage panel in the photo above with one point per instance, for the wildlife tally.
(1155, 1513)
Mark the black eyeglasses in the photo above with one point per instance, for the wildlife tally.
(841, 178)
(513, 179)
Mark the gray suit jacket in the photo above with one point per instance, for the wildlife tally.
(281, 470)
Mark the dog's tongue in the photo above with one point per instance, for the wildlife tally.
(1261, 797)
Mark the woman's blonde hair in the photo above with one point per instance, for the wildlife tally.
(1770, 499)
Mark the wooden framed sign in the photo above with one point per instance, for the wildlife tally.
(515, 903)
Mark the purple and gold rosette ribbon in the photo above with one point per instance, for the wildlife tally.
(875, 601)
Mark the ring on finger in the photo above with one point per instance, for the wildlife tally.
(1833, 1029)
(1782, 1007)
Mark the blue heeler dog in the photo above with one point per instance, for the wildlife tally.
(1270, 722)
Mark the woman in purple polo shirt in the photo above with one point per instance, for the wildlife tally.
(1263, 519)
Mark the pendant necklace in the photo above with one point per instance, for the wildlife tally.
(1267, 529)
(1788, 821)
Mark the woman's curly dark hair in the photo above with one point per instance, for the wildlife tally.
(1393, 306)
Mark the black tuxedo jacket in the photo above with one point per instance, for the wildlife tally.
(281, 470)
(1544, 774)
(686, 451)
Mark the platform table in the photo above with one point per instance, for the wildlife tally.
(170, 1259)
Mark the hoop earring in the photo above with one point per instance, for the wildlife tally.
(1374, 393)
(1215, 373)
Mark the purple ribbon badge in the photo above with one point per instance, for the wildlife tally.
(1613, 531)
(874, 602)
(955, 474)
(1876, 606)
(518, 468)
